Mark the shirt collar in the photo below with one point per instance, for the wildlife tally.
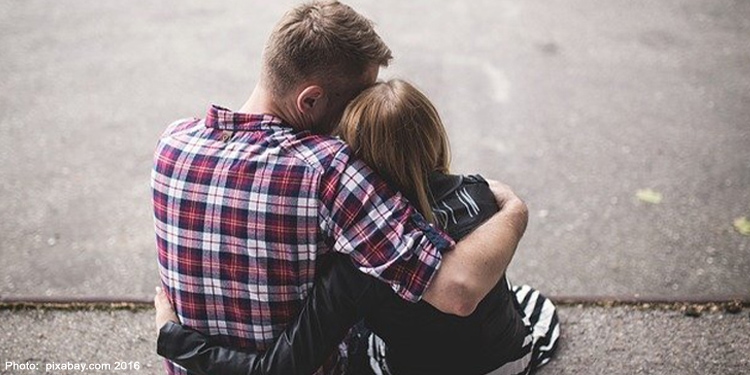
(225, 119)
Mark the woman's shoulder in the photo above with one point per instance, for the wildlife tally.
(443, 184)
(461, 202)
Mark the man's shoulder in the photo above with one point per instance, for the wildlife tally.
(180, 126)
(319, 151)
(462, 202)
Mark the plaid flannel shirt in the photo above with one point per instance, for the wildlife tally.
(244, 206)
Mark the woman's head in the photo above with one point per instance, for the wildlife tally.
(395, 129)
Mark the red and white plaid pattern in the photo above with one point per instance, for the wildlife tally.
(244, 205)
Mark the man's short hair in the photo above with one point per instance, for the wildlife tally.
(323, 40)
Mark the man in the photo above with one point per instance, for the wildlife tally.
(246, 202)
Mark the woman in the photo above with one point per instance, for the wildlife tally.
(395, 129)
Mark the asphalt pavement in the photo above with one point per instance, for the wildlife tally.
(625, 126)
(579, 106)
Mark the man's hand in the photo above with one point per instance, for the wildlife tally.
(164, 311)
(509, 202)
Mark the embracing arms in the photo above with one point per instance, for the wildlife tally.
(338, 300)
(478, 261)
(375, 225)
(467, 273)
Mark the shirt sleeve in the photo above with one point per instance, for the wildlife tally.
(384, 235)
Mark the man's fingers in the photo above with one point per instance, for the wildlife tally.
(161, 301)
(510, 203)
(502, 192)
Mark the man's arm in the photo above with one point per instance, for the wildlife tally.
(477, 262)
(361, 216)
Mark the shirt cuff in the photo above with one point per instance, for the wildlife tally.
(419, 271)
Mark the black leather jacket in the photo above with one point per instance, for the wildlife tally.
(421, 339)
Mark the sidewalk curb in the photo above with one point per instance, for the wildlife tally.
(729, 304)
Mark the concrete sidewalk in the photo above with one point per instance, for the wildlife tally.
(622, 340)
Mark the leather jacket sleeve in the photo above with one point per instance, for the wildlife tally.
(338, 300)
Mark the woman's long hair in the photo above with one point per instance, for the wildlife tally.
(396, 130)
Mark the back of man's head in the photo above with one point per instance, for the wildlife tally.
(324, 41)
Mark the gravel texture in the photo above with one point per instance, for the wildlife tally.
(620, 340)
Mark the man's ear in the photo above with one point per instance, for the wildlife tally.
(309, 97)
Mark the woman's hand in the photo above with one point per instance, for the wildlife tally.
(164, 311)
